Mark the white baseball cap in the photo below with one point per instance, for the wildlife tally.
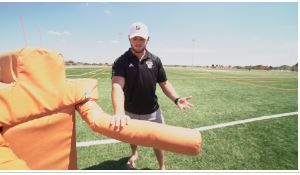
(138, 29)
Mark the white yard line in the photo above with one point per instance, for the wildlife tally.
(222, 125)
(205, 128)
(96, 142)
(90, 72)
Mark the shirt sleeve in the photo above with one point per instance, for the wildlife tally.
(161, 76)
(118, 68)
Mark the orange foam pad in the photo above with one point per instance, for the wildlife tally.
(8, 160)
(144, 133)
(46, 143)
(37, 109)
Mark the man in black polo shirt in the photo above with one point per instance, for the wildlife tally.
(134, 78)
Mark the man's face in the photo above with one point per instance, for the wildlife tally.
(138, 44)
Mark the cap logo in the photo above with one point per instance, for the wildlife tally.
(137, 27)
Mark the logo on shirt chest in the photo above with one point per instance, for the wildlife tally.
(149, 64)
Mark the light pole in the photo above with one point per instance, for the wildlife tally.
(193, 56)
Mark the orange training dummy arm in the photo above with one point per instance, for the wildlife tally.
(144, 133)
(8, 160)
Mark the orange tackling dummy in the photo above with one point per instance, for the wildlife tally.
(37, 115)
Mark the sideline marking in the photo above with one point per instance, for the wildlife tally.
(222, 125)
(205, 128)
(258, 85)
(85, 73)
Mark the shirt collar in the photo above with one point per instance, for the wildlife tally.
(131, 55)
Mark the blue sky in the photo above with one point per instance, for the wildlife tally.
(196, 33)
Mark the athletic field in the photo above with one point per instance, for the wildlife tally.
(248, 121)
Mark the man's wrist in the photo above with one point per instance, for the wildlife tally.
(176, 100)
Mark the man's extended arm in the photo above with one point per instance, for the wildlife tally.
(170, 92)
(117, 96)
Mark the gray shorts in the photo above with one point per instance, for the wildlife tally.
(153, 117)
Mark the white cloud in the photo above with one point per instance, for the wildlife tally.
(56, 33)
(66, 33)
(107, 12)
(50, 32)
(114, 41)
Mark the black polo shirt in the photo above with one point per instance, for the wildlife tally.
(140, 81)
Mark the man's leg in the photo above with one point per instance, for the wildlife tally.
(160, 158)
(131, 161)
(159, 118)
(133, 158)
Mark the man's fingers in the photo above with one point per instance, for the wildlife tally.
(180, 106)
(112, 120)
(119, 120)
(122, 121)
(189, 97)
(189, 105)
(127, 119)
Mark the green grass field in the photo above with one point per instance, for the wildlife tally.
(218, 97)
